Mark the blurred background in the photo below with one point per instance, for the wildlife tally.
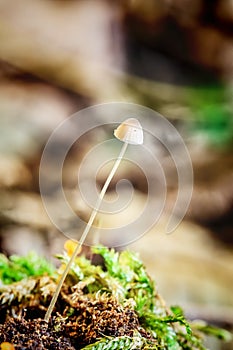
(174, 56)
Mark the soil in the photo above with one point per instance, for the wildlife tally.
(88, 320)
(33, 334)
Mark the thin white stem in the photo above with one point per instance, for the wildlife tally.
(85, 232)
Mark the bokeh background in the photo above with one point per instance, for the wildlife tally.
(174, 56)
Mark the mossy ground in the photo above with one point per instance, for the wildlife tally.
(114, 305)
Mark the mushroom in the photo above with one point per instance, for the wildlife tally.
(130, 132)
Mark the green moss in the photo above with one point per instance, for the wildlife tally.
(17, 268)
(114, 305)
(124, 276)
(119, 343)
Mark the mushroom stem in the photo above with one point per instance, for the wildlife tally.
(86, 231)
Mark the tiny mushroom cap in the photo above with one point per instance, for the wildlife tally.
(7, 346)
(130, 131)
(70, 246)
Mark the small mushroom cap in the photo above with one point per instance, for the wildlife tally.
(130, 131)
(70, 247)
